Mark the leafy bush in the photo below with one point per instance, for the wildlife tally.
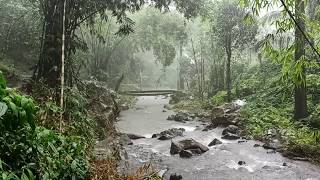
(260, 116)
(189, 105)
(28, 151)
(219, 98)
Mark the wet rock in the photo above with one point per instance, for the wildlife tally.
(196, 151)
(226, 115)
(135, 136)
(226, 120)
(210, 127)
(231, 129)
(241, 163)
(214, 142)
(204, 115)
(271, 152)
(169, 134)
(217, 112)
(284, 164)
(165, 137)
(256, 145)
(230, 136)
(175, 148)
(246, 137)
(181, 117)
(185, 154)
(242, 141)
(175, 177)
(124, 140)
(187, 144)
(231, 107)
(273, 146)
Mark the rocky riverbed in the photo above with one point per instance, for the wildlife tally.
(201, 146)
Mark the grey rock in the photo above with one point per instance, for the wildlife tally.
(284, 164)
(124, 140)
(214, 142)
(186, 154)
(135, 136)
(273, 146)
(181, 117)
(187, 144)
(256, 145)
(231, 129)
(210, 127)
(175, 177)
(169, 134)
(230, 136)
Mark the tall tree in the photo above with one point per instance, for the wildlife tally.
(300, 95)
(233, 33)
(78, 12)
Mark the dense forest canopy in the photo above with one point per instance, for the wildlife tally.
(67, 68)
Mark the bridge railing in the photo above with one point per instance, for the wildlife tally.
(149, 92)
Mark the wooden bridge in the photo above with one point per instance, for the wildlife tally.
(149, 92)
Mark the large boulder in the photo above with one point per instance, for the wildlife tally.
(169, 134)
(226, 120)
(187, 144)
(226, 115)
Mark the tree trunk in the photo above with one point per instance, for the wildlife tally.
(62, 63)
(300, 96)
(181, 79)
(49, 66)
(228, 68)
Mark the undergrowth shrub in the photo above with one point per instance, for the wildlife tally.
(297, 137)
(218, 99)
(29, 151)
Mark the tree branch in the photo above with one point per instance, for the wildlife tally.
(300, 29)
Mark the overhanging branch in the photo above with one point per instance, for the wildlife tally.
(300, 29)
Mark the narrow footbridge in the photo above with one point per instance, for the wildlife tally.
(149, 92)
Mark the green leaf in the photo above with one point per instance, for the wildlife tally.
(24, 177)
(3, 108)
(4, 176)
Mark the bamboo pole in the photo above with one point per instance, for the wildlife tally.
(62, 63)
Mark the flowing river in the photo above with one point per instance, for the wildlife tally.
(220, 162)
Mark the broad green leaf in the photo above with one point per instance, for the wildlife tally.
(3, 108)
